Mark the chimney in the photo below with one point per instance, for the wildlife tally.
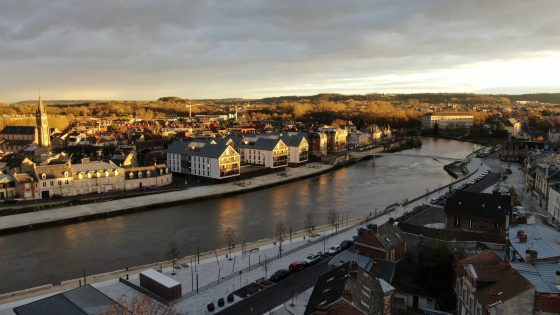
(519, 233)
(523, 238)
(531, 256)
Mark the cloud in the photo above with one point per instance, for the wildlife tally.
(141, 49)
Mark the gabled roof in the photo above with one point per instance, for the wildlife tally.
(387, 236)
(94, 166)
(19, 130)
(478, 205)
(53, 171)
(211, 148)
(328, 288)
(542, 275)
(385, 268)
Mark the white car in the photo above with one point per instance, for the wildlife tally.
(333, 250)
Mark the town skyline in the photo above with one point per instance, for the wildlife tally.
(141, 51)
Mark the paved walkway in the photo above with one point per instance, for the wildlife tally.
(65, 213)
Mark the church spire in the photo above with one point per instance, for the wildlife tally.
(41, 106)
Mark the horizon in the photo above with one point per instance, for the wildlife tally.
(253, 50)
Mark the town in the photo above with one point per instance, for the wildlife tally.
(456, 248)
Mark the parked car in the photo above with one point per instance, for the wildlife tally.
(433, 201)
(362, 231)
(312, 259)
(297, 266)
(334, 250)
(371, 226)
(346, 244)
(279, 275)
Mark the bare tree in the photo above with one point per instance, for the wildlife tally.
(280, 231)
(173, 253)
(265, 265)
(332, 217)
(229, 237)
(308, 224)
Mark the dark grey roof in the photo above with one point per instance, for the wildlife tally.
(328, 288)
(80, 301)
(293, 140)
(385, 268)
(262, 144)
(19, 130)
(389, 235)
(478, 205)
(206, 148)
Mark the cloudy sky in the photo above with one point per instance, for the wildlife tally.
(140, 49)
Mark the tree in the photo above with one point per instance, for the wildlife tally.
(280, 231)
(332, 217)
(173, 253)
(229, 237)
(265, 265)
(308, 224)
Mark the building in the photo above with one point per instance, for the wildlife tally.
(553, 205)
(16, 138)
(533, 243)
(7, 187)
(146, 177)
(484, 284)
(447, 121)
(384, 242)
(545, 175)
(54, 180)
(357, 139)
(478, 212)
(545, 278)
(350, 289)
(268, 152)
(95, 177)
(317, 144)
(513, 127)
(26, 186)
(554, 134)
(336, 138)
(215, 158)
(43, 134)
(298, 148)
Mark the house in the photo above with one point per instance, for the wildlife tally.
(336, 138)
(553, 204)
(7, 187)
(15, 138)
(350, 289)
(478, 212)
(384, 242)
(532, 243)
(268, 152)
(545, 278)
(54, 180)
(96, 177)
(484, 284)
(215, 158)
(151, 176)
(545, 175)
(317, 144)
(298, 148)
(358, 139)
(513, 127)
(26, 186)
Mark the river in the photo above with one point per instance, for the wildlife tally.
(52, 254)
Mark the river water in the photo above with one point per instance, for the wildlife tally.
(49, 255)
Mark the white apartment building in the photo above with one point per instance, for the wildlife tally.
(268, 152)
(554, 201)
(215, 158)
(447, 121)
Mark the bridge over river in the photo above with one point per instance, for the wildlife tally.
(359, 155)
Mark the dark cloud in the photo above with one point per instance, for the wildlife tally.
(146, 49)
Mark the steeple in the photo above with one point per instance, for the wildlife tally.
(43, 135)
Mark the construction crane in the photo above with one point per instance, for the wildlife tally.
(190, 107)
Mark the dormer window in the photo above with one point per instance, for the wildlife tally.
(80, 176)
(106, 173)
(161, 172)
(89, 175)
(43, 176)
(131, 175)
(97, 174)
(139, 174)
(116, 172)
(148, 173)
(65, 174)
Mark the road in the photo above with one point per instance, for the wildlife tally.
(278, 293)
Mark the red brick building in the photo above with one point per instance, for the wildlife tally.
(385, 242)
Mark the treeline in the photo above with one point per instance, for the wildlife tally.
(55, 121)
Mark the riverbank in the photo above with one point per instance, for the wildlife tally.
(17, 222)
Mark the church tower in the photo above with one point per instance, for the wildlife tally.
(43, 136)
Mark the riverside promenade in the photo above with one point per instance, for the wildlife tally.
(92, 210)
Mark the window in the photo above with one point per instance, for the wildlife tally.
(66, 182)
(457, 221)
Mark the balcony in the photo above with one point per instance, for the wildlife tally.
(226, 173)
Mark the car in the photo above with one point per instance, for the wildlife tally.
(362, 231)
(346, 244)
(279, 275)
(333, 250)
(371, 226)
(312, 259)
(433, 201)
(297, 266)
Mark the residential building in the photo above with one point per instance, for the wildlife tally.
(478, 212)
(268, 152)
(484, 284)
(533, 243)
(513, 127)
(95, 177)
(447, 121)
(554, 134)
(298, 148)
(357, 139)
(351, 289)
(152, 176)
(15, 138)
(215, 158)
(545, 278)
(7, 187)
(336, 138)
(54, 180)
(384, 242)
(317, 144)
(27, 186)
(553, 205)
(545, 175)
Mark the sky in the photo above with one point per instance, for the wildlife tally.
(140, 49)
